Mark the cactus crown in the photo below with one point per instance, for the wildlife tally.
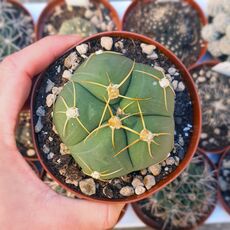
(116, 116)
(78, 26)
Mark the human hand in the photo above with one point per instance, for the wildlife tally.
(25, 201)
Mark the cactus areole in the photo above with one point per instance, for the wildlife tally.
(116, 116)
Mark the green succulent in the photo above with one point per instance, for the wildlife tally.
(116, 116)
(78, 26)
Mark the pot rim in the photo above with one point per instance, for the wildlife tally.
(194, 5)
(211, 63)
(196, 119)
(152, 223)
(220, 196)
(52, 4)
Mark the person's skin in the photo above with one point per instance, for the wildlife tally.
(25, 201)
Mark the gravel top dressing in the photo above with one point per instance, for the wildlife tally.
(85, 20)
(56, 155)
(214, 91)
(175, 24)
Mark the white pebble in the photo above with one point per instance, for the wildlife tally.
(155, 169)
(50, 99)
(67, 75)
(82, 49)
(137, 182)
(88, 186)
(107, 43)
(127, 191)
(147, 49)
(139, 190)
(149, 181)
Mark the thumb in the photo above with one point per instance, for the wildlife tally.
(84, 215)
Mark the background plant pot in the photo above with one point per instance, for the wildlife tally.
(24, 136)
(153, 223)
(220, 195)
(47, 12)
(196, 119)
(192, 3)
(197, 67)
(23, 32)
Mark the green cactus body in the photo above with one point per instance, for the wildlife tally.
(116, 116)
(78, 26)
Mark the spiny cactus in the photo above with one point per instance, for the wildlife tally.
(16, 29)
(78, 26)
(116, 115)
(185, 201)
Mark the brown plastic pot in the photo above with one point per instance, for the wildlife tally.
(155, 225)
(196, 119)
(47, 12)
(220, 196)
(210, 63)
(193, 4)
(32, 164)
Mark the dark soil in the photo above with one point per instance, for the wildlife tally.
(16, 29)
(224, 179)
(214, 91)
(63, 167)
(175, 24)
(61, 13)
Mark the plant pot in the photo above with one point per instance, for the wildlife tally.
(169, 35)
(189, 105)
(18, 33)
(216, 32)
(221, 195)
(36, 166)
(153, 210)
(45, 18)
(215, 121)
(24, 136)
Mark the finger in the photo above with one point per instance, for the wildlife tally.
(17, 70)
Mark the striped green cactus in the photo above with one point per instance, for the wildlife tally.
(116, 116)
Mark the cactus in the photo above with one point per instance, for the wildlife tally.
(78, 26)
(185, 201)
(116, 115)
(16, 29)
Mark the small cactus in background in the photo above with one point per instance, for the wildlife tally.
(78, 26)
(16, 29)
(116, 116)
(217, 32)
(185, 201)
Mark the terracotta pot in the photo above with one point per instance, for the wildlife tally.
(193, 4)
(52, 4)
(220, 196)
(154, 224)
(210, 63)
(196, 119)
